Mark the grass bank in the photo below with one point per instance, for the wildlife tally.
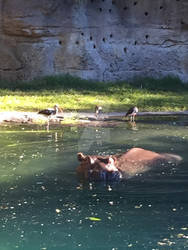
(75, 94)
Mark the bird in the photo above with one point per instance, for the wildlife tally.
(98, 110)
(50, 111)
(132, 113)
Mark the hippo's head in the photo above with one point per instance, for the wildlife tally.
(98, 168)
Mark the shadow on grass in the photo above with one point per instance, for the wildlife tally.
(67, 82)
(168, 83)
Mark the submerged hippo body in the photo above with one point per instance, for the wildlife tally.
(114, 167)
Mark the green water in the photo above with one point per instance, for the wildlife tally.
(44, 206)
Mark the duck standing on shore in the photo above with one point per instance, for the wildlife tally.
(132, 113)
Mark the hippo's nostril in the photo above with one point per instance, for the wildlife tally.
(104, 176)
(114, 176)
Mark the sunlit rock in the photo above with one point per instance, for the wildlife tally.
(93, 39)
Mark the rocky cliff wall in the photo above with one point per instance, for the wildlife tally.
(94, 39)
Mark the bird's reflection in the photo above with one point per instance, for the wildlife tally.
(132, 125)
(56, 137)
(48, 126)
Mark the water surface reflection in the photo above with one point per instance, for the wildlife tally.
(44, 206)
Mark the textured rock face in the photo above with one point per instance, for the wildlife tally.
(94, 39)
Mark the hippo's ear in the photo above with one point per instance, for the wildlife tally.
(114, 158)
(81, 157)
(85, 158)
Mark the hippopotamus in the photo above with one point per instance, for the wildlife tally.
(133, 162)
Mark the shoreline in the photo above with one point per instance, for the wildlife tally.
(68, 118)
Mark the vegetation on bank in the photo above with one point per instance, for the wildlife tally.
(75, 94)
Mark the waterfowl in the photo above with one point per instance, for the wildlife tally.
(132, 113)
(98, 110)
(50, 111)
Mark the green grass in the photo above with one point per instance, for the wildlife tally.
(75, 94)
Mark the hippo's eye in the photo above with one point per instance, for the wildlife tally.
(91, 161)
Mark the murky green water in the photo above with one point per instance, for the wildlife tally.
(43, 205)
